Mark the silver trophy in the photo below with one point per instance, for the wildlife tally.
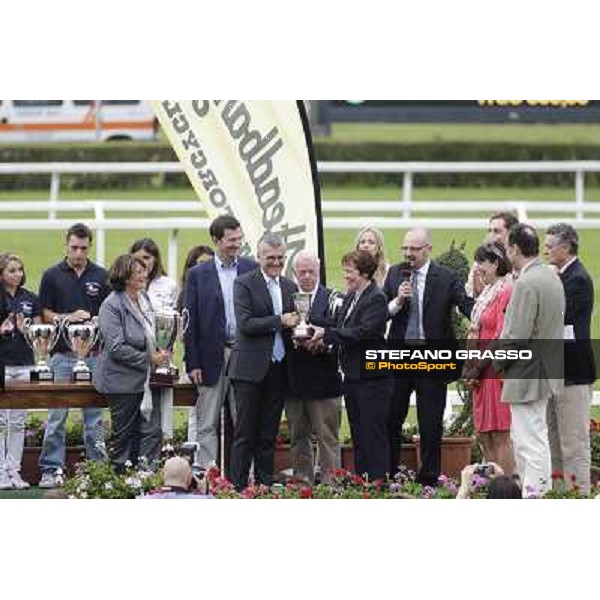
(336, 300)
(302, 303)
(81, 338)
(41, 338)
(169, 326)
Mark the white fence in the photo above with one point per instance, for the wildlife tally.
(398, 214)
(402, 210)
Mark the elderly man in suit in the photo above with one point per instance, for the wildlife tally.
(210, 336)
(535, 312)
(422, 296)
(314, 402)
(569, 411)
(264, 311)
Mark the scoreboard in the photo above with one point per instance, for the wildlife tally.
(458, 111)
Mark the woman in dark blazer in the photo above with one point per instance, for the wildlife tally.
(362, 317)
(127, 353)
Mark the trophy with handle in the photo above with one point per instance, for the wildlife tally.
(302, 303)
(41, 338)
(81, 338)
(336, 300)
(169, 326)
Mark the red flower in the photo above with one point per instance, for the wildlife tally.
(573, 478)
(306, 493)
(557, 475)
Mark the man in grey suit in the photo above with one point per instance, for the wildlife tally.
(534, 319)
(264, 313)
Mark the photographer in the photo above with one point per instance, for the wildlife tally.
(178, 482)
(500, 487)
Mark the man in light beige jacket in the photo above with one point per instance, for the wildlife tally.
(534, 321)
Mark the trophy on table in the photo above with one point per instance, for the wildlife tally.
(302, 303)
(169, 326)
(81, 338)
(41, 338)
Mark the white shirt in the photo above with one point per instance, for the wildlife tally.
(277, 287)
(162, 292)
(567, 265)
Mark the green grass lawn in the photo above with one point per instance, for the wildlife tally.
(517, 133)
(41, 249)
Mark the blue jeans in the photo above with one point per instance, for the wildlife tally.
(53, 450)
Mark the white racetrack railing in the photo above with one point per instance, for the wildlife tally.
(397, 214)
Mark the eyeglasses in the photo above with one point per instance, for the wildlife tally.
(413, 248)
(279, 259)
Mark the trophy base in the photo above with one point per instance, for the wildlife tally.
(302, 335)
(81, 376)
(163, 379)
(41, 376)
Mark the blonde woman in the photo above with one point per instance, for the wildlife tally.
(370, 239)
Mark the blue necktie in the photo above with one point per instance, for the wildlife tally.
(278, 346)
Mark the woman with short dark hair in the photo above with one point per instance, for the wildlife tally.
(128, 351)
(363, 317)
(491, 416)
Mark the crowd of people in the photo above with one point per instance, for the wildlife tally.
(241, 351)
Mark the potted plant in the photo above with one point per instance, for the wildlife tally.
(35, 428)
(595, 450)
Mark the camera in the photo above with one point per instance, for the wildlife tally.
(484, 470)
(188, 451)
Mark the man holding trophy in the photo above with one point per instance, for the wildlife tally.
(265, 316)
(314, 403)
(72, 292)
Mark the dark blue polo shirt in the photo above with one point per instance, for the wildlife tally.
(62, 291)
(13, 347)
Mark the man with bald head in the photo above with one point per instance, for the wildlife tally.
(314, 401)
(422, 296)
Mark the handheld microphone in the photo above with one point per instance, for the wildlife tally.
(406, 272)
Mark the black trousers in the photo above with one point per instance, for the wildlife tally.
(431, 402)
(259, 407)
(367, 405)
(132, 436)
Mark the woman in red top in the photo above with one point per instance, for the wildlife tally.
(491, 417)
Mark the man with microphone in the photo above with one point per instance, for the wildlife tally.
(422, 296)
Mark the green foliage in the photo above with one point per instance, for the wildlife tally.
(454, 258)
(595, 446)
(98, 479)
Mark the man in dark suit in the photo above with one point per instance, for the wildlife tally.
(210, 336)
(264, 311)
(422, 296)
(315, 397)
(568, 412)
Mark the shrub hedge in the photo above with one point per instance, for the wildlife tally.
(432, 151)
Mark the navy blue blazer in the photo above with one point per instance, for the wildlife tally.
(315, 376)
(580, 366)
(205, 337)
(257, 325)
(443, 291)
